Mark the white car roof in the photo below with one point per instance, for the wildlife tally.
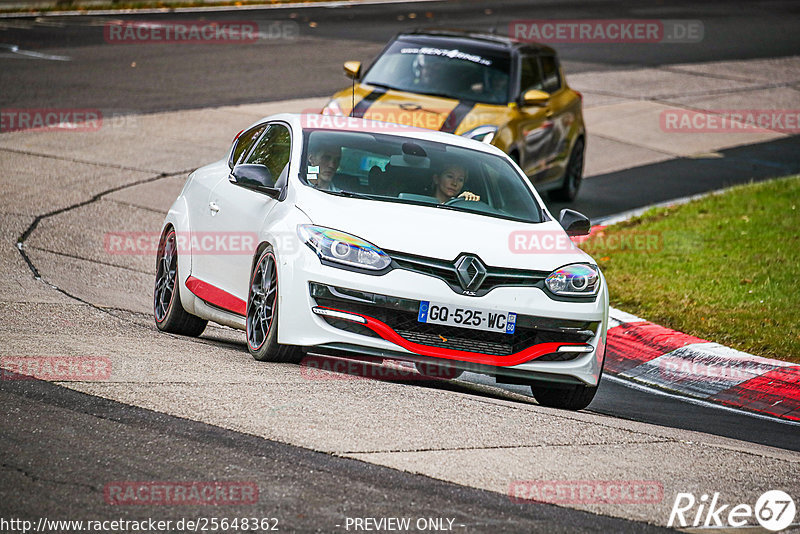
(308, 121)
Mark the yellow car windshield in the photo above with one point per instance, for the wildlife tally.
(454, 71)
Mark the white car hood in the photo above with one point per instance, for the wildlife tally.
(445, 234)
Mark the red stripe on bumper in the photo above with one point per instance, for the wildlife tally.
(531, 353)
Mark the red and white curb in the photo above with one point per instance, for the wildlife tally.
(653, 355)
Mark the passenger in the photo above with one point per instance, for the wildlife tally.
(448, 184)
(327, 159)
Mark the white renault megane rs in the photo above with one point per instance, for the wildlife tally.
(354, 237)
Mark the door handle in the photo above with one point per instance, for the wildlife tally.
(214, 207)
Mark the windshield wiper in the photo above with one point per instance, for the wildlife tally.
(410, 90)
(351, 194)
(440, 95)
(382, 86)
(443, 207)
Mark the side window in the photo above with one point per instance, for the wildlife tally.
(530, 75)
(245, 142)
(272, 150)
(552, 80)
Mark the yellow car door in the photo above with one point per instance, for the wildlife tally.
(540, 125)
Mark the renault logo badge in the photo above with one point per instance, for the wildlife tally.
(471, 273)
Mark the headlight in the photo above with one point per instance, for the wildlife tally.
(482, 133)
(339, 247)
(576, 280)
(332, 108)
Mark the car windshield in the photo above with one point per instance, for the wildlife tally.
(458, 71)
(390, 168)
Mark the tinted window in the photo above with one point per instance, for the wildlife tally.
(356, 162)
(245, 142)
(272, 150)
(530, 74)
(552, 81)
(398, 169)
(444, 68)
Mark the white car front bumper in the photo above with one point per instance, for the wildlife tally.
(404, 289)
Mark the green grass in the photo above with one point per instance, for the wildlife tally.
(725, 268)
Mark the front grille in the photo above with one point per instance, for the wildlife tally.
(446, 271)
(401, 316)
(349, 326)
(558, 357)
(440, 269)
(457, 343)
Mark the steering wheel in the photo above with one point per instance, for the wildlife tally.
(457, 200)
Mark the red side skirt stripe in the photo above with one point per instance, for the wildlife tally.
(216, 296)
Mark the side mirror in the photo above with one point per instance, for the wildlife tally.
(352, 69)
(574, 223)
(535, 97)
(256, 177)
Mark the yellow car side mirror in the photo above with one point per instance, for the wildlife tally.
(535, 97)
(352, 69)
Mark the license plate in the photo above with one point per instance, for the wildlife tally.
(477, 319)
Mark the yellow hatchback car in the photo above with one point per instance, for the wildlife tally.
(490, 88)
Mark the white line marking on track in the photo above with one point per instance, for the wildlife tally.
(14, 49)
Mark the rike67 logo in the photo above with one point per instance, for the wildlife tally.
(774, 510)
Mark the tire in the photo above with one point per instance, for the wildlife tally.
(434, 370)
(573, 175)
(564, 396)
(168, 311)
(262, 314)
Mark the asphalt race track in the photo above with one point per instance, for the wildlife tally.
(305, 486)
(198, 76)
(320, 451)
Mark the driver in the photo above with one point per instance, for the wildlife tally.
(430, 73)
(326, 158)
(449, 182)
